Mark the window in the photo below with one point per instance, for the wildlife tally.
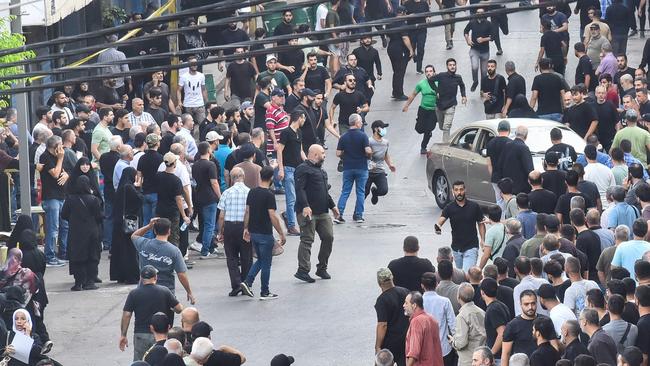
(466, 139)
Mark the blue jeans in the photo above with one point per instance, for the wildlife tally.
(149, 210)
(359, 177)
(209, 213)
(290, 195)
(55, 227)
(277, 183)
(263, 245)
(466, 259)
(557, 117)
(108, 223)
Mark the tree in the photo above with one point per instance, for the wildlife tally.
(11, 40)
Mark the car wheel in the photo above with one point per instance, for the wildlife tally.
(441, 189)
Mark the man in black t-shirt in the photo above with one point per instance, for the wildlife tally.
(392, 324)
(552, 44)
(259, 221)
(351, 101)
(581, 116)
(642, 296)
(148, 166)
(494, 148)
(540, 200)
(493, 91)
(585, 72)
(53, 179)
(316, 77)
(146, 300)
(262, 102)
(207, 194)
(497, 315)
(419, 36)
(545, 354)
(587, 241)
(563, 206)
(240, 76)
(518, 335)
(409, 269)
(464, 216)
(290, 155)
(479, 43)
(565, 154)
(170, 197)
(548, 89)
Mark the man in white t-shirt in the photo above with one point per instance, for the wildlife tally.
(192, 85)
(575, 296)
(558, 312)
(321, 15)
(598, 173)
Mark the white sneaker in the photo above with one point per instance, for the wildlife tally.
(196, 246)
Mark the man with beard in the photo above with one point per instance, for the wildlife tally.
(312, 203)
(518, 335)
(321, 118)
(240, 75)
(493, 91)
(61, 104)
(465, 216)
(363, 81)
(426, 119)
(622, 69)
(516, 86)
(479, 43)
(581, 117)
(607, 118)
(308, 129)
(585, 72)
(368, 58)
(351, 101)
(247, 113)
(316, 76)
(107, 96)
(516, 161)
(448, 84)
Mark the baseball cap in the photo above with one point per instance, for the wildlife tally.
(83, 108)
(277, 92)
(170, 158)
(631, 115)
(213, 136)
(271, 57)
(595, 26)
(148, 272)
(551, 157)
(282, 360)
(503, 125)
(546, 291)
(152, 139)
(246, 105)
(201, 329)
(308, 92)
(384, 275)
(378, 124)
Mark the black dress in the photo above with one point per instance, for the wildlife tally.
(124, 259)
(84, 214)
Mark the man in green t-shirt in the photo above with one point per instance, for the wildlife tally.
(426, 120)
(639, 137)
(101, 137)
(279, 78)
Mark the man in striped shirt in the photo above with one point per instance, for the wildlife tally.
(139, 117)
(231, 230)
(276, 120)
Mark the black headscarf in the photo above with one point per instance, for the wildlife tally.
(92, 177)
(24, 222)
(28, 240)
(521, 109)
(82, 186)
(173, 359)
(128, 177)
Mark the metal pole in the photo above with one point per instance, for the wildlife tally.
(23, 126)
(173, 47)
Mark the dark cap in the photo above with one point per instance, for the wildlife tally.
(148, 272)
(282, 360)
(504, 125)
(379, 124)
(201, 329)
(594, 26)
(546, 291)
(551, 157)
(489, 286)
(277, 92)
(308, 92)
(83, 108)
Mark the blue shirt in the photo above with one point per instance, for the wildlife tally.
(528, 221)
(221, 155)
(353, 145)
(627, 253)
(600, 157)
(440, 308)
(622, 214)
(630, 159)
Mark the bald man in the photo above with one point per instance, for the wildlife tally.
(239, 253)
(313, 202)
(540, 200)
(139, 117)
(189, 317)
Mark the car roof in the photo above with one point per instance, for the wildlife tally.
(514, 122)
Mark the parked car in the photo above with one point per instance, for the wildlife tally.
(465, 157)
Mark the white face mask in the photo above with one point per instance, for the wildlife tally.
(383, 131)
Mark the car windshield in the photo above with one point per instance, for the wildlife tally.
(539, 139)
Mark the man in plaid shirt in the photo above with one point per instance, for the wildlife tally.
(231, 230)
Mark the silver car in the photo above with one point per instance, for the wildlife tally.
(465, 157)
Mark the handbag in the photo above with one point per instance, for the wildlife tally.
(130, 223)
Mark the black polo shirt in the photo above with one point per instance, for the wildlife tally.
(463, 220)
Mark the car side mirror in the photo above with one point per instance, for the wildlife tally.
(484, 153)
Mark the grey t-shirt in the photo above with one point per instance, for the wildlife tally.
(616, 329)
(376, 164)
(164, 256)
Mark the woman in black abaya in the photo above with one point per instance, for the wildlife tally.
(128, 201)
(83, 168)
(24, 222)
(82, 209)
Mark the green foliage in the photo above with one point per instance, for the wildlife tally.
(112, 16)
(11, 40)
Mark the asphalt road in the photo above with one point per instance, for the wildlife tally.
(328, 322)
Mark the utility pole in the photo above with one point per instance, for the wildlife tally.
(23, 126)
(173, 47)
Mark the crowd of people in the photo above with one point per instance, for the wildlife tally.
(556, 273)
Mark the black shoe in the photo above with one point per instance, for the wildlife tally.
(76, 287)
(246, 290)
(633, 33)
(384, 42)
(304, 276)
(235, 292)
(474, 85)
(401, 97)
(90, 286)
(97, 280)
(268, 296)
(374, 199)
(339, 220)
(423, 151)
(339, 167)
(499, 52)
(322, 273)
(642, 34)
(449, 45)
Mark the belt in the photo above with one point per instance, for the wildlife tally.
(233, 222)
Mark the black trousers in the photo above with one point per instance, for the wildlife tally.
(451, 359)
(496, 37)
(399, 61)
(85, 272)
(184, 241)
(380, 182)
(418, 40)
(237, 251)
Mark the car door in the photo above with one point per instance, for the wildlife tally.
(456, 159)
(478, 175)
